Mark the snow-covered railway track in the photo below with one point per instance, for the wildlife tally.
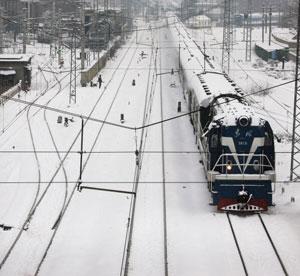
(35, 197)
(41, 191)
(67, 199)
(153, 101)
(257, 251)
(39, 72)
(165, 230)
(105, 105)
(51, 226)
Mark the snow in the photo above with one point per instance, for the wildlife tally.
(272, 47)
(7, 72)
(90, 238)
(15, 57)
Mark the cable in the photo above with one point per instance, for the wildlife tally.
(128, 182)
(110, 152)
(123, 126)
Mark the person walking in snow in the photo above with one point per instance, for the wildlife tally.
(100, 81)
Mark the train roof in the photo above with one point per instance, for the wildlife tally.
(215, 83)
(213, 87)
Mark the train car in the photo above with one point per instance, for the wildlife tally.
(235, 143)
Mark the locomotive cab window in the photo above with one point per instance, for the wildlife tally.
(214, 141)
(268, 139)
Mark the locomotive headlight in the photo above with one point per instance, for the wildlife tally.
(229, 165)
(256, 165)
(244, 121)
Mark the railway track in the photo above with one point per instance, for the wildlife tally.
(97, 136)
(48, 85)
(41, 194)
(140, 146)
(38, 197)
(154, 88)
(26, 222)
(165, 230)
(245, 248)
(139, 163)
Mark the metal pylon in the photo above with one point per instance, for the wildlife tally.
(73, 71)
(248, 29)
(1, 30)
(295, 156)
(234, 11)
(105, 5)
(227, 34)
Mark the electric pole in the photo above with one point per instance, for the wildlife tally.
(270, 25)
(266, 21)
(262, 24)
(82, 41)
(1, 30)
(72, 98)
(59, 38)
(105, 5)
(295, 156)
(52, 47)
(234, 10)
(24, 30)
(227, 34)
(248, 18)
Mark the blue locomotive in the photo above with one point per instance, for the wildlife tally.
(235, 143)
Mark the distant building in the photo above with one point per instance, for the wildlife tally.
(14, 68)
(199, 21)
(274, 51)
(11, 7)
(256, 19)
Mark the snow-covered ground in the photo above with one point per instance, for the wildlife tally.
(90, 237)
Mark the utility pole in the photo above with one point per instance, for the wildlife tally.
(82, 41)
(279, 14)
(24, 30)
(234, 9)
(262, 24)
(81, 155)
(270, 25)
(72, 98)
(204, 59)
(248, 17)
(29, 15)
(266, 21)
(59, 38)
(53, 23)
(295, 156)
(73, 70)
(179, 65)
(105, 5)
(227, 34)
(1, 30)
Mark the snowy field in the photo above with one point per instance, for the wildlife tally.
(90, 237)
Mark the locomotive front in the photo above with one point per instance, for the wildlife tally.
(241, 160)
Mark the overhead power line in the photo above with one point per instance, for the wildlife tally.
(121, 125)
